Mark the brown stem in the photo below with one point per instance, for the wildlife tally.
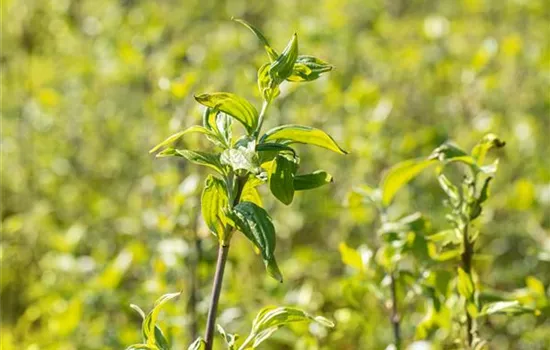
(394, 313)
(223, 251)
(466, 257)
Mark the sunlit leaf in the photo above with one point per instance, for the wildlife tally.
(399, 175)
(210, 160)
(150, 322)
(351, 257)
(281, 178)
(270, 51)
(267, 86)
(177, 136)
(254, 222)
(504, 307)
(214, 200)
(488, 142)
(198, 344)
(313, 180)
(301, 134)
(233, 105)
(281, 68)
(465, 285)
(308, 68)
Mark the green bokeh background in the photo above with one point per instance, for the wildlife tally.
(91, 222)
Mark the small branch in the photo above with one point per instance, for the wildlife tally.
(395, 313)
(261, 119)
(466, 257)
(223, 251)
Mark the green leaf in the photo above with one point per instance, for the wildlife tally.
(159, 335)
(399, 175)
(488, 142)
(351, 257)
(281, 68)
(271, 316)
(447, 151)
(504, 307)
(177, 136)
(313, 180)
(301, 134)
(250, 193)
(484, 193)
(230, 339)
(233, 105)
(142, 347)
(274, 147)
(308, 68)
(254, 222)
(149, 323)
(214, 200)
(448, 187)
(465, 285)
(281, 178)
(202, 158)
(267, 86)
(270, 51)
(198, 344)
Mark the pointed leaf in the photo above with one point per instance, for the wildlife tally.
(301, 134)
(149, 323)
(308, 68)
(267, 86)
(233, 105)
(177, 136)
(198, 344)
(488, 142)
(202, 158)
(399, 175)
(254, 222)
(281, 178)
(270, 317)
(270, 51)
(214, 200)
(316, 179)
(281, 68)
(465, 285)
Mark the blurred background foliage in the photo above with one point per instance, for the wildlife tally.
(91, 222)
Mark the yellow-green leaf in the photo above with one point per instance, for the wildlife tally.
(399, 175)
(214, 200)
(292, 133)
(233, 105)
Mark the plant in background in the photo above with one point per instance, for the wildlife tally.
(230, 199)
(437, 255)
(466, 195)
(402, 242)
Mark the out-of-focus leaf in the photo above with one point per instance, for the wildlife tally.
(281, 68)
(351, 257)
(504, 307)
(198, 344)
(149, 323)
(301, 134)
(230, 339)
(159, 335)
(273, 55)
(465, 285)
(399, 175)
(214, 200)
(313, 180)
(254, 222)
(281, 178)
(233, 105)
(488, 142)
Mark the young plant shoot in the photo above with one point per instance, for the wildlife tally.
(230, 199)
